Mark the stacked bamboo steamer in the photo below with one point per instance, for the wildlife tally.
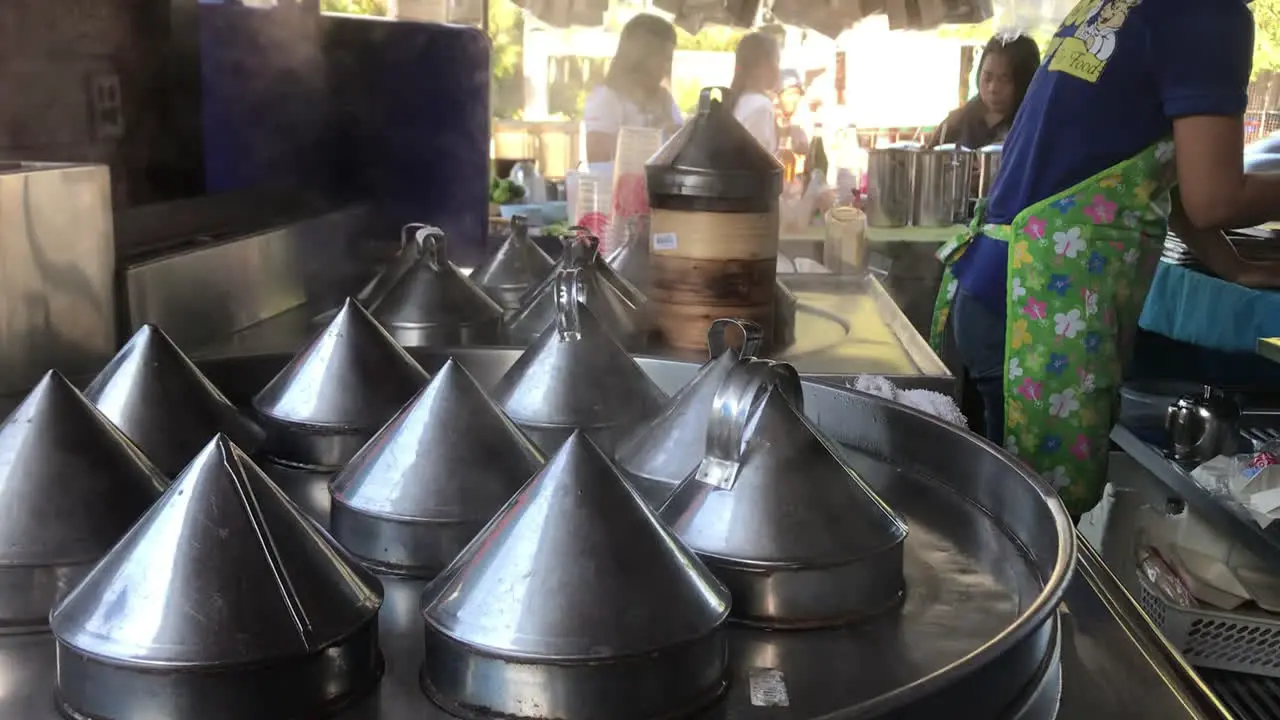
(713, 194)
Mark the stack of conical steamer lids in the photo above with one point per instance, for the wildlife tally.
(517, 266)
(157, 397)
(662, 452)
(577, 376)
(71, 485)
(412, 499)
(575, 603)
(791, 529)
(224, 601)
(336, 393)
(434, 304)
(602, 290)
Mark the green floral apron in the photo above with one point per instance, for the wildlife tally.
(1080, 264)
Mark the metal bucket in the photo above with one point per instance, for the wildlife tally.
(942, 178)
(890, 183)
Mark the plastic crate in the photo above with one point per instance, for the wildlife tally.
(1247, 642)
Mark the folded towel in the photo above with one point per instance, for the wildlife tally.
(1209, 312)
(926, 401)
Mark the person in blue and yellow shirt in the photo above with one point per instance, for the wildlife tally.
(1132, 124)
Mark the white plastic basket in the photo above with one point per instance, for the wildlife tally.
(1247, 641)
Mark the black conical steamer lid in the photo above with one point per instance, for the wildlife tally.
(714, 164)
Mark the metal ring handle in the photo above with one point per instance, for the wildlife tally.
(752, 337)
(431, 245)
(737, 401)
(409, 231)
(520, 226)
(571, 295)
(582, 245)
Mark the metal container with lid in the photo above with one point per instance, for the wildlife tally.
(775, 512)
(662, 452)
(988, 159)
(223, 601)
(616, 303)
(941, 179)
(714, 194)
(516, 266)
(388, 275)
(434, 304)
(575, 603)
(1203, 426)
(890, 185)
(576, 376)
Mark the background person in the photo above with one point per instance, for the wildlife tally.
(1004, 74)
(756, 76)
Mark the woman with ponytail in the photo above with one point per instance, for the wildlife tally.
(755, 78)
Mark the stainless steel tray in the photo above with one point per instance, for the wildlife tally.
(988, 558)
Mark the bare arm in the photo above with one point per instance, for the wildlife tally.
(1217, 253)
(601, 147)
(1216, 192)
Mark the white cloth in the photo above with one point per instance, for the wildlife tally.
(605, 111)
(755, 112)
(926, 401)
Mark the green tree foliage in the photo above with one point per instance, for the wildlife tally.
(355, 7)
(714, 38)
(1266, 47)
(506, 33)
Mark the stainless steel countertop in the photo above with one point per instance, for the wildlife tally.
(1115, 665)
(846, 326)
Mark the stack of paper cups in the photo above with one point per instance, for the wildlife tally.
(589, 202)
(630, 194)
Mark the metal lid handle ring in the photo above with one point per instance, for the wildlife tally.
(431, 246)
(736, 403)
(570, 295)
(718, 343)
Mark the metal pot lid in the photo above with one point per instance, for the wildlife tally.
(223, 574)
(71, 484)
(576, 374)
(433, 292)
(154, 394)
(387, 276)
(992, 149)
(714, 157)
(670, 446)
(518, 262)
(345, 384)
(630, 262)
(952, 148)
(586, 569)
(774, 495)
(450, 457)
(610, 298)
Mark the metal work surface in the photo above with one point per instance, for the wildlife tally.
(1228, 519)
(980, 627)
(58, 267)
(845, 326)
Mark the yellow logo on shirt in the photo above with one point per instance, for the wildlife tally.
(1085, 52)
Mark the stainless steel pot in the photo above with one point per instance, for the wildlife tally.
(988, 158)
(889, 185)
(1202, 427)
(941, 183)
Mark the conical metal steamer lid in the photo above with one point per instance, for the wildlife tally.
(576, 376)
(661, 453)
(336, 393)
(71, 485)
(615, 302)
(161, 401)
(631, 260)
(422, 488)
(575, 603)
(373, 291)
(791, 529)
(434, 304)
(517, 266)
(224, 601)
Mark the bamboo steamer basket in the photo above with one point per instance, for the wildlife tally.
(713, 194)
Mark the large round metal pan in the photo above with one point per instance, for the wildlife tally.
(988, 556)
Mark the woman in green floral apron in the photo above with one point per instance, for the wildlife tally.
(1059, 262)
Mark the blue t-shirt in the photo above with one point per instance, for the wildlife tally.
(1131, 67)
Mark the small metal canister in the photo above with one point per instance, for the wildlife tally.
(988, 166)
(890, 185)
(942, 180)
